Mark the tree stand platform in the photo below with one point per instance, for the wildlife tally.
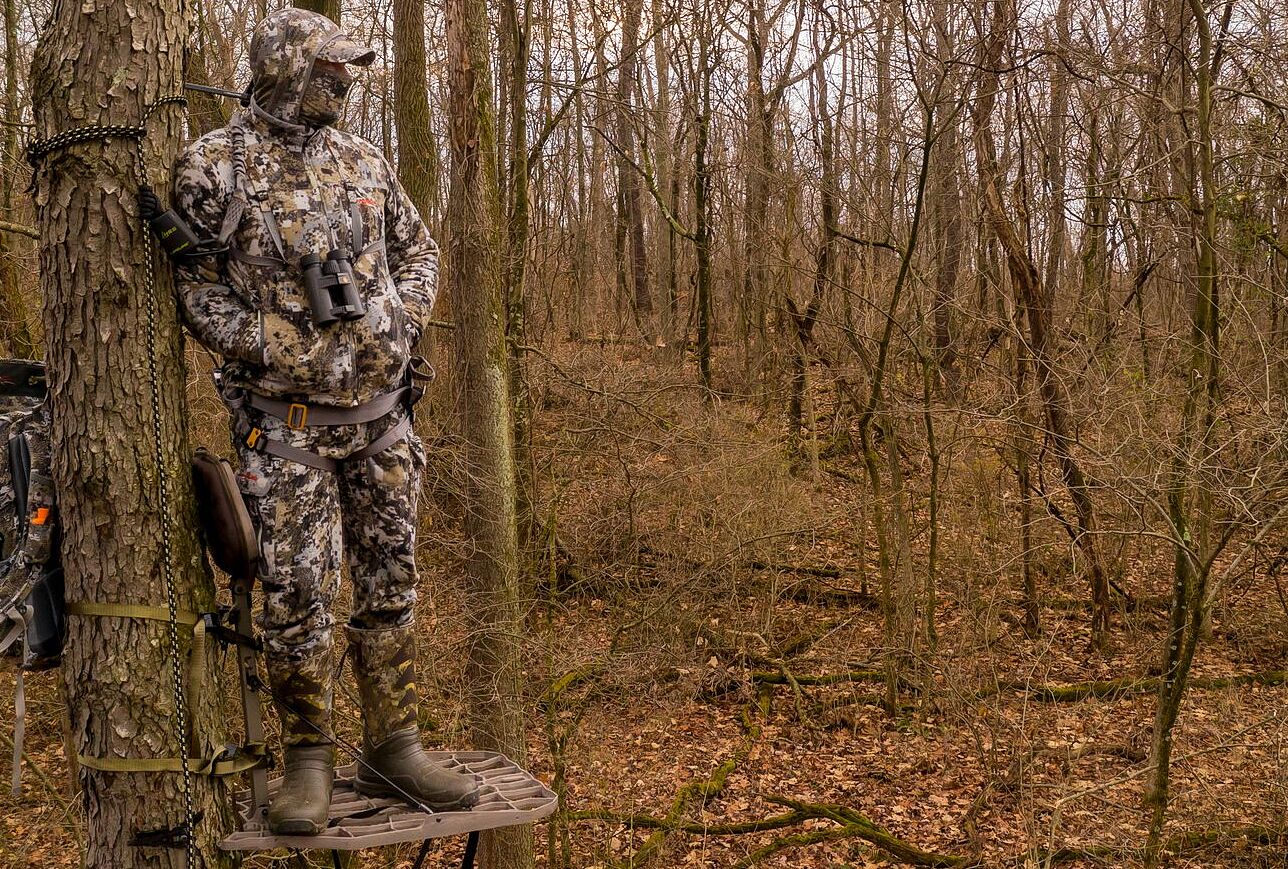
(508, 795)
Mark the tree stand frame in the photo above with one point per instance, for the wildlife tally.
(508, 794)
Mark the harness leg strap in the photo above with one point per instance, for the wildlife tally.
(256, 440)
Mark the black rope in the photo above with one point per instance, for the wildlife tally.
(40, 148)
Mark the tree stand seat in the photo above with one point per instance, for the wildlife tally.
(508, 795)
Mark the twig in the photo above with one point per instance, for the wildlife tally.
(866, 829)
(18, 229)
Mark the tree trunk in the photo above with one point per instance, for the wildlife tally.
(1189, 503)
(946, 198)
(109, 483)
(475, 268)
(417, 151)
(13, 311)
(329, 8)
(516, 31)
(702, 206)
(1034, 300)
(758, 163)
(627, 176)
(664, 246)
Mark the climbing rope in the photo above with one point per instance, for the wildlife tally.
(36, 151)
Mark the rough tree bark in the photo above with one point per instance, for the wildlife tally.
(946, 201)
(329, 8)
(516, 31)
(475, 268)
(417, 151)
(664, 243)
(102, 62)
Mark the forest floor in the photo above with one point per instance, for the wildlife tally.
(720, 651)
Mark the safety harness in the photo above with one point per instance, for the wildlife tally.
(301, 413)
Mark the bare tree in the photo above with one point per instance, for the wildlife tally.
(120, 460)
(476, 267)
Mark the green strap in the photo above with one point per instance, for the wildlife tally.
(130, 611)
(247, 757)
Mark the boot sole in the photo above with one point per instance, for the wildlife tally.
(297, 827)
(380, 789)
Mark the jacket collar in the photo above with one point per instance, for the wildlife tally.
(269, 125)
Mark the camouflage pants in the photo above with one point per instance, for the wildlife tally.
(308, 519)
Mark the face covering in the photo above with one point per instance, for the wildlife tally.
(323, 101)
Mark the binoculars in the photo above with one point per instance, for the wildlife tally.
(331, 287)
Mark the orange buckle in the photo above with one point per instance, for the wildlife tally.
(253, 437)
(41, 516)
(297, 416)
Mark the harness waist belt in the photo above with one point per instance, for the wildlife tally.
(297, 414)
(257, 441)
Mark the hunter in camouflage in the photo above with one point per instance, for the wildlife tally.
(277, 184)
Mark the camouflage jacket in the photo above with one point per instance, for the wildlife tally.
(275, 190)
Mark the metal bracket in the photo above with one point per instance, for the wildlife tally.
(174, 837)
(214, 627)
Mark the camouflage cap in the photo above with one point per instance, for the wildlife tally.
(282, 52)
(343, 48)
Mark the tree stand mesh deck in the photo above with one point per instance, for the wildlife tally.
(508, 795)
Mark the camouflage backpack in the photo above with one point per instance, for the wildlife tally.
(30, 570)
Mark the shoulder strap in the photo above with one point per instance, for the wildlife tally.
(240, 201)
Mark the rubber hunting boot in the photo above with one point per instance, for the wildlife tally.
(384, 662)
(302, 693)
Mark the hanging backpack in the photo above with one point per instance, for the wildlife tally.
(31, 576)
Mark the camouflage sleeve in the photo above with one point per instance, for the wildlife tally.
(413, 256)
(217, 314)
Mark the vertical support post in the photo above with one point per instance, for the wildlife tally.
(251, 709)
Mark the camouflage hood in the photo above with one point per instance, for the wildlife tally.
(282, 53)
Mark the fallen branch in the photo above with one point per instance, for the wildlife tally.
(862, 827)
(696, 790)
(798, 840)
(843, 474)
(828, 572)
(769, 678)
(835, 597)
(568, 680)
(1191, 840)
(651, 822)
(1128, 686)
(851, 825)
